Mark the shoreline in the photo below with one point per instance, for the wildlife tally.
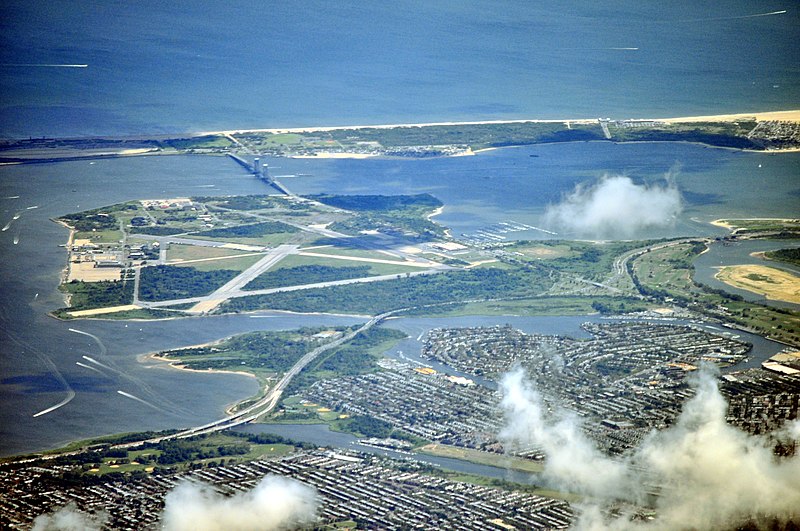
(724, 222)
(791, 115)
(788, 115)
(77, 153)
(177, 365)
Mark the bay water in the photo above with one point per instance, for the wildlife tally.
(120, 391)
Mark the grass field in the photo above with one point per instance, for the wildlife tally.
(375, 269)
(482, 458)
(198, 252)
(669, 268)
(542, 306)
(100, 236)
(146, 460)
(235, 263)
(277, 238)
(545, 252)
(350, 251)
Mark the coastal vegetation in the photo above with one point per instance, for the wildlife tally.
(431, 140)
(588, 260)
(405, 214)
(95, 460)
(756, 132)
(90, 295)
(306, 274)
(476, 136)
(264, 354)
(773, 228)
(254, 230)
(254, 203)
(666, 275)
(91, 221)
(403, 292)
(157, 230)
(544, 305)
(790, 256)
(197, 142)
(163, 282)
(733, 134)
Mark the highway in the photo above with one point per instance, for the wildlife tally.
(620, 265)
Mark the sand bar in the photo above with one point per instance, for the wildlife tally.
(727, 223)
(100, 311)
(774, 284)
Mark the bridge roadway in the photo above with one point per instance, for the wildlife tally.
(270, 181)
(268, 402)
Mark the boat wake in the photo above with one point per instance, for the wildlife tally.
(70, 396)
(145, 402)
(173, 409)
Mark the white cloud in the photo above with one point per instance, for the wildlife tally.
(276, 503)
(68, 518)
(615, 207)
(573, 462)
(713, 475)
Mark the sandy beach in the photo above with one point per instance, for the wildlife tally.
(101, 311)
(334, 155)
(726, 223)
(782, 116)
(176, 364)
(721, 223)
(323, 129)
(435, 213)
(789, 116)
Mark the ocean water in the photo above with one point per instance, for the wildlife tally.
(175, 66)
